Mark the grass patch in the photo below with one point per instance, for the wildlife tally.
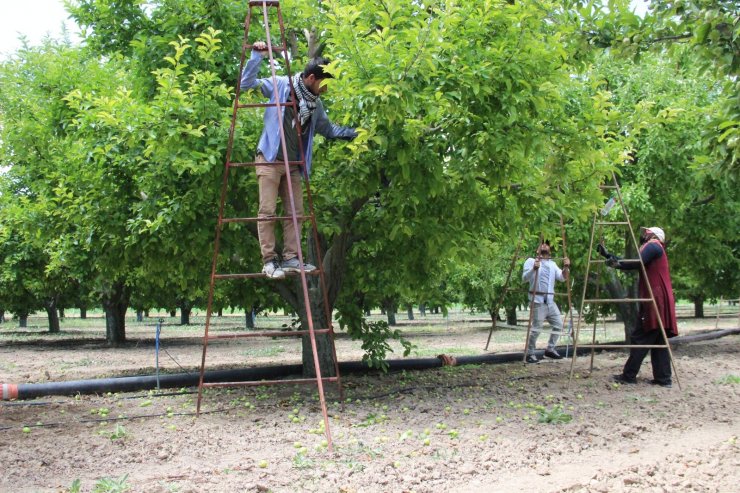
(262, 352)
(112, 485)
(554, 415)
(729, 380)
(65, 365)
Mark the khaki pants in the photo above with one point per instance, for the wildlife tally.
(551, 313)
(272, 182)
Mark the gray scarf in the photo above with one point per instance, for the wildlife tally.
(306, 99)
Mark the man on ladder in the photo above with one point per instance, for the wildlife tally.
(307, 87)
(647, 332)
(541, 273)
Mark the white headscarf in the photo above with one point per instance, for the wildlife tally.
(658, 232)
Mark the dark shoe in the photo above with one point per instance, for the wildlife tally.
(552, 354)
(620, 378)
(531, 358)
(293, 265)
(667, 385)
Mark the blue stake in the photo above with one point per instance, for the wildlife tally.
(156, 348)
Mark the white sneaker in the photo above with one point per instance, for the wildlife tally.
(293, 265)
(272, 270)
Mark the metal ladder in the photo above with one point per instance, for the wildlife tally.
(596, 300)
(311, 332)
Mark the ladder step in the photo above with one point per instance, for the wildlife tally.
(268, 382)
(525, 257)
(608, 187)
(260, 219)
(269, 333)
(627, 260)
(620, 346)
(262, 105)
(270, 163)
(617, 300)
(260, 274)
(612, 223)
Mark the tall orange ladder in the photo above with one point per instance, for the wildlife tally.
(611, 187)
(265, 7)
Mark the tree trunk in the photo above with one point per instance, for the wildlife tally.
(323, 342)
(2, 316)
(139, 315)
(185, 308)
(312, 39)
(423, 309)
(51, 312)
(173, 313)
(511, 315)
(115, 303)
(698, 307)
(23, 320)
(83, 312)
(220, 312)
(410, 311)
(390, 311)
(249, 317)
(627, 311)
(61, 312)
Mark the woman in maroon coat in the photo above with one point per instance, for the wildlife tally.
(647, 332)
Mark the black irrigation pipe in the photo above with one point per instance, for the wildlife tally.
(147, 382)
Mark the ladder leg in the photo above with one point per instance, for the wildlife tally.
(583, 297)
(222, 202)
(294, 219)
(503, 293)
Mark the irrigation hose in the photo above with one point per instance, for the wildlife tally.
(179, 380)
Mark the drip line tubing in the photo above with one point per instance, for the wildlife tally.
(178, 380)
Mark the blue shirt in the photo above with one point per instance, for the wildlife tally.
(269, 142)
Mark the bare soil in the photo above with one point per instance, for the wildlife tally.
(469, 428)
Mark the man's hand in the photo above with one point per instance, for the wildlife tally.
(536, 264)
(566, 263)
(602, 250)
(260, 47)
(612, 261)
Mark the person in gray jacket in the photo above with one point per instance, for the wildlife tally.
(271, 177)
(546, 273)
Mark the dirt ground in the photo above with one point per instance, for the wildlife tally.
(505, 427)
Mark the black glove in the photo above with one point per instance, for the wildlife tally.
(602, 250)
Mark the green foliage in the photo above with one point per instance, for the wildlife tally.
(75, 487)
(375, 337)
(709, 31)
(554, 415)
(112, 485)
(118, 433)
(729, 380)
(479, 122)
